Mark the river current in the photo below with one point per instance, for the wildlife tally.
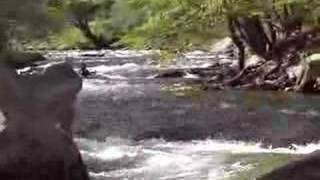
(133, 126)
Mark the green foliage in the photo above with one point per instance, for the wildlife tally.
(22, 20)
(123, 17)
(171, 25)
(187, 24)
(261, 164)
(183, 90)
(82, 10)
(85, 15)
(67, 38)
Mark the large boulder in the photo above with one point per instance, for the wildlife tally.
(311, 72)
(36, 143)
(305, 169)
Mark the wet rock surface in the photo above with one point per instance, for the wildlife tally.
(36, 143)
(306, 168)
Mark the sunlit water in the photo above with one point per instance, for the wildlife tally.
(134, 127)
(117, 158)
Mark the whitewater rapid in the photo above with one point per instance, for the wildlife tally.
(158, 159)
(131, 128)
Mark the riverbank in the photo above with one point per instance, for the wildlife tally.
(222, 73)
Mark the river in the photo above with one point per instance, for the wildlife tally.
(132, 126)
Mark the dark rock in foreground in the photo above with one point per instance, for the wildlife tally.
(37, 142)
(305, 169)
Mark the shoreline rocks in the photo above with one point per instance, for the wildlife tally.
(37, 143)
(226, 75)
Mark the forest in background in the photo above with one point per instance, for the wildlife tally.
(276, 30)
(271, 29)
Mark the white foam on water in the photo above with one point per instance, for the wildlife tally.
(103, 86)
(205, 65)
(191, 64)
(110, 153)
(113, 153)
(191, 76)
(232, 170)
(237, 147)
(120, 72)
(310, 112)
(159, 159)
(154, 162)
(116, 77)
(93, 85)
(121, 89)
(307, 149)
(47, 65)
(2, 121)
(23, 70)
(115, 68)
(110, 150)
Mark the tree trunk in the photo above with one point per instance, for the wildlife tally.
(98, 41)
(253, 34)
(83, 25)
(237, 41)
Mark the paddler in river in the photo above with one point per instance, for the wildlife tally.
(85, 73)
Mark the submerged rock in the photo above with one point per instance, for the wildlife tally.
(37, 143)
(307, 168)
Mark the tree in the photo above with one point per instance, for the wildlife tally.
(273, 29)
(16, 21)
(83, 13)
(267, 27)
(173, 25)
